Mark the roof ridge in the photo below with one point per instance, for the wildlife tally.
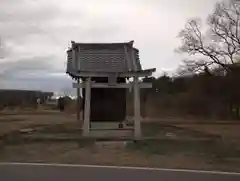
(95, 43)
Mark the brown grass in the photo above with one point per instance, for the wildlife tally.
(72, 153)
(31, 120)
(213, 155)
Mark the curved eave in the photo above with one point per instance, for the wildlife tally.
(82, 74)
(72, 75)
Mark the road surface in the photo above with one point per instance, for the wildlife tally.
(55, 172)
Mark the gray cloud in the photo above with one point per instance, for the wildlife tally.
(17, 70)
(26, 11)
(36, 34)
(33, 73)
(22, 18)
(45, 84)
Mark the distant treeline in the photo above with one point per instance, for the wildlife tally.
(207, 94)
(22, 97)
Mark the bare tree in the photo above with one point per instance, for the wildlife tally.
(219, 44)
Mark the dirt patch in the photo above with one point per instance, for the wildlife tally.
(229, 132)
(65, 128)
(159, 130)
(33, 120)
(10, 120)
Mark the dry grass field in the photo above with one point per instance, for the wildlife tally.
(15, 121)
(169, 144)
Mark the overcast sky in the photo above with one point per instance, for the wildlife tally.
(35, 34)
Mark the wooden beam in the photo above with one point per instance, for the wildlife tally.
(143, 73)
(87, 107)
(119, 85)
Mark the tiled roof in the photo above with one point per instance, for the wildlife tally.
(106, 57)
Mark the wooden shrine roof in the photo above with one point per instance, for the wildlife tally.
(103, 57)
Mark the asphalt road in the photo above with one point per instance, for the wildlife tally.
(24, 172)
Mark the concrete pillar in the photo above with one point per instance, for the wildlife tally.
(137, 115)
(78, 103)
(87, 105)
